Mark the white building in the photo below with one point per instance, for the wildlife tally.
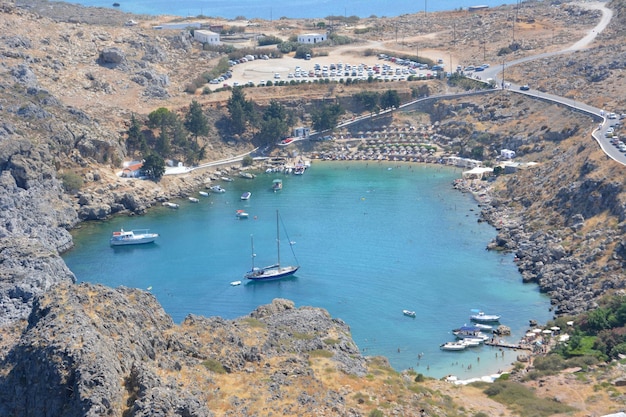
(312, 37)
(206, 36)
(507, 154)
(302, 132)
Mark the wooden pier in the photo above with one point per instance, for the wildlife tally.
(505, 345)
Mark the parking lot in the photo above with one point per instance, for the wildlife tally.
(340, 63)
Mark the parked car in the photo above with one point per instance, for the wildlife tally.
(525, 87)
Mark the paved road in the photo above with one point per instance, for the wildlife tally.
(495, 73)
(599, 115)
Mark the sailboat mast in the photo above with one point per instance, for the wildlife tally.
(278, 238)
(253, 254)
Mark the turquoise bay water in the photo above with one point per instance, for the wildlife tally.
(262, 9)
(372, 239)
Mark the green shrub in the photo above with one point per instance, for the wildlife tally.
(72, 182)
(320, 353)
(247, 161)
(214, 366)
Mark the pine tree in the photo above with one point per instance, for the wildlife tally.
(195, 121)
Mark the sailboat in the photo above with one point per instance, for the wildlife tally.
(277, 270)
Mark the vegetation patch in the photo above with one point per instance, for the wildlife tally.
(524, 401)
(321, 353)
(214, 366)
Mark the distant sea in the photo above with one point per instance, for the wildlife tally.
(372, 239)
(271, 10)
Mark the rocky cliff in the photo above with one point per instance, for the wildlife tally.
(89, 350)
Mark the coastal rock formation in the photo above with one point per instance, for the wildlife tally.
(91, 350)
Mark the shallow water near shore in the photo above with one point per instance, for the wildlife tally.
(372, 239)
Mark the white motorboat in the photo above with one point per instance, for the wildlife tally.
(469, 332)
(194, 200)
(247, 175)
(217, 189)
(227, 179)
(235, 283)
(170, 205)
(409, 313)
(453, 346)
(246, 195)
(203, 193)
(483, 327)
(472, 342)
(481, 317)
(132, 237)
(277, 185)
(240, 214)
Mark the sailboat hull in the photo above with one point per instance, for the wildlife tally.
(271, 272)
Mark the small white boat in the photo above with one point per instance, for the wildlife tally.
(203, 193)
(481, 317)
(454, 346)
(227, 179)
(217, 189)
(170, 205)
(194, 200)
(469, 332)
(240, 214)
(483, 327)
(235, 283)
(132, 237)
(472, 342)
(246, 175)
(277, 185)
(409, 313)
(246, 195)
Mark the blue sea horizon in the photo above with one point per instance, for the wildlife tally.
(313, 9)
(372, 239)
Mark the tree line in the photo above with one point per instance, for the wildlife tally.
(167, 135)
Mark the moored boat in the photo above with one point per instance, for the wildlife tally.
(227, 179)
(240, 214)
(483, 327)
(470, 332)
(194, 200)
(217, 189)
(235, 283)
(246, 175)
(132, 237)
(472, 342)
(275, 271)
(453, 346)
(481, 317)
(203, 193)
(277, 185)
(246, 195)
(170, 205)
(409, 313)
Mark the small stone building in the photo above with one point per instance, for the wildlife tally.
(206, 36)
(309, 38)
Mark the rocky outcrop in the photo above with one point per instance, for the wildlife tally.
(91, 351)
